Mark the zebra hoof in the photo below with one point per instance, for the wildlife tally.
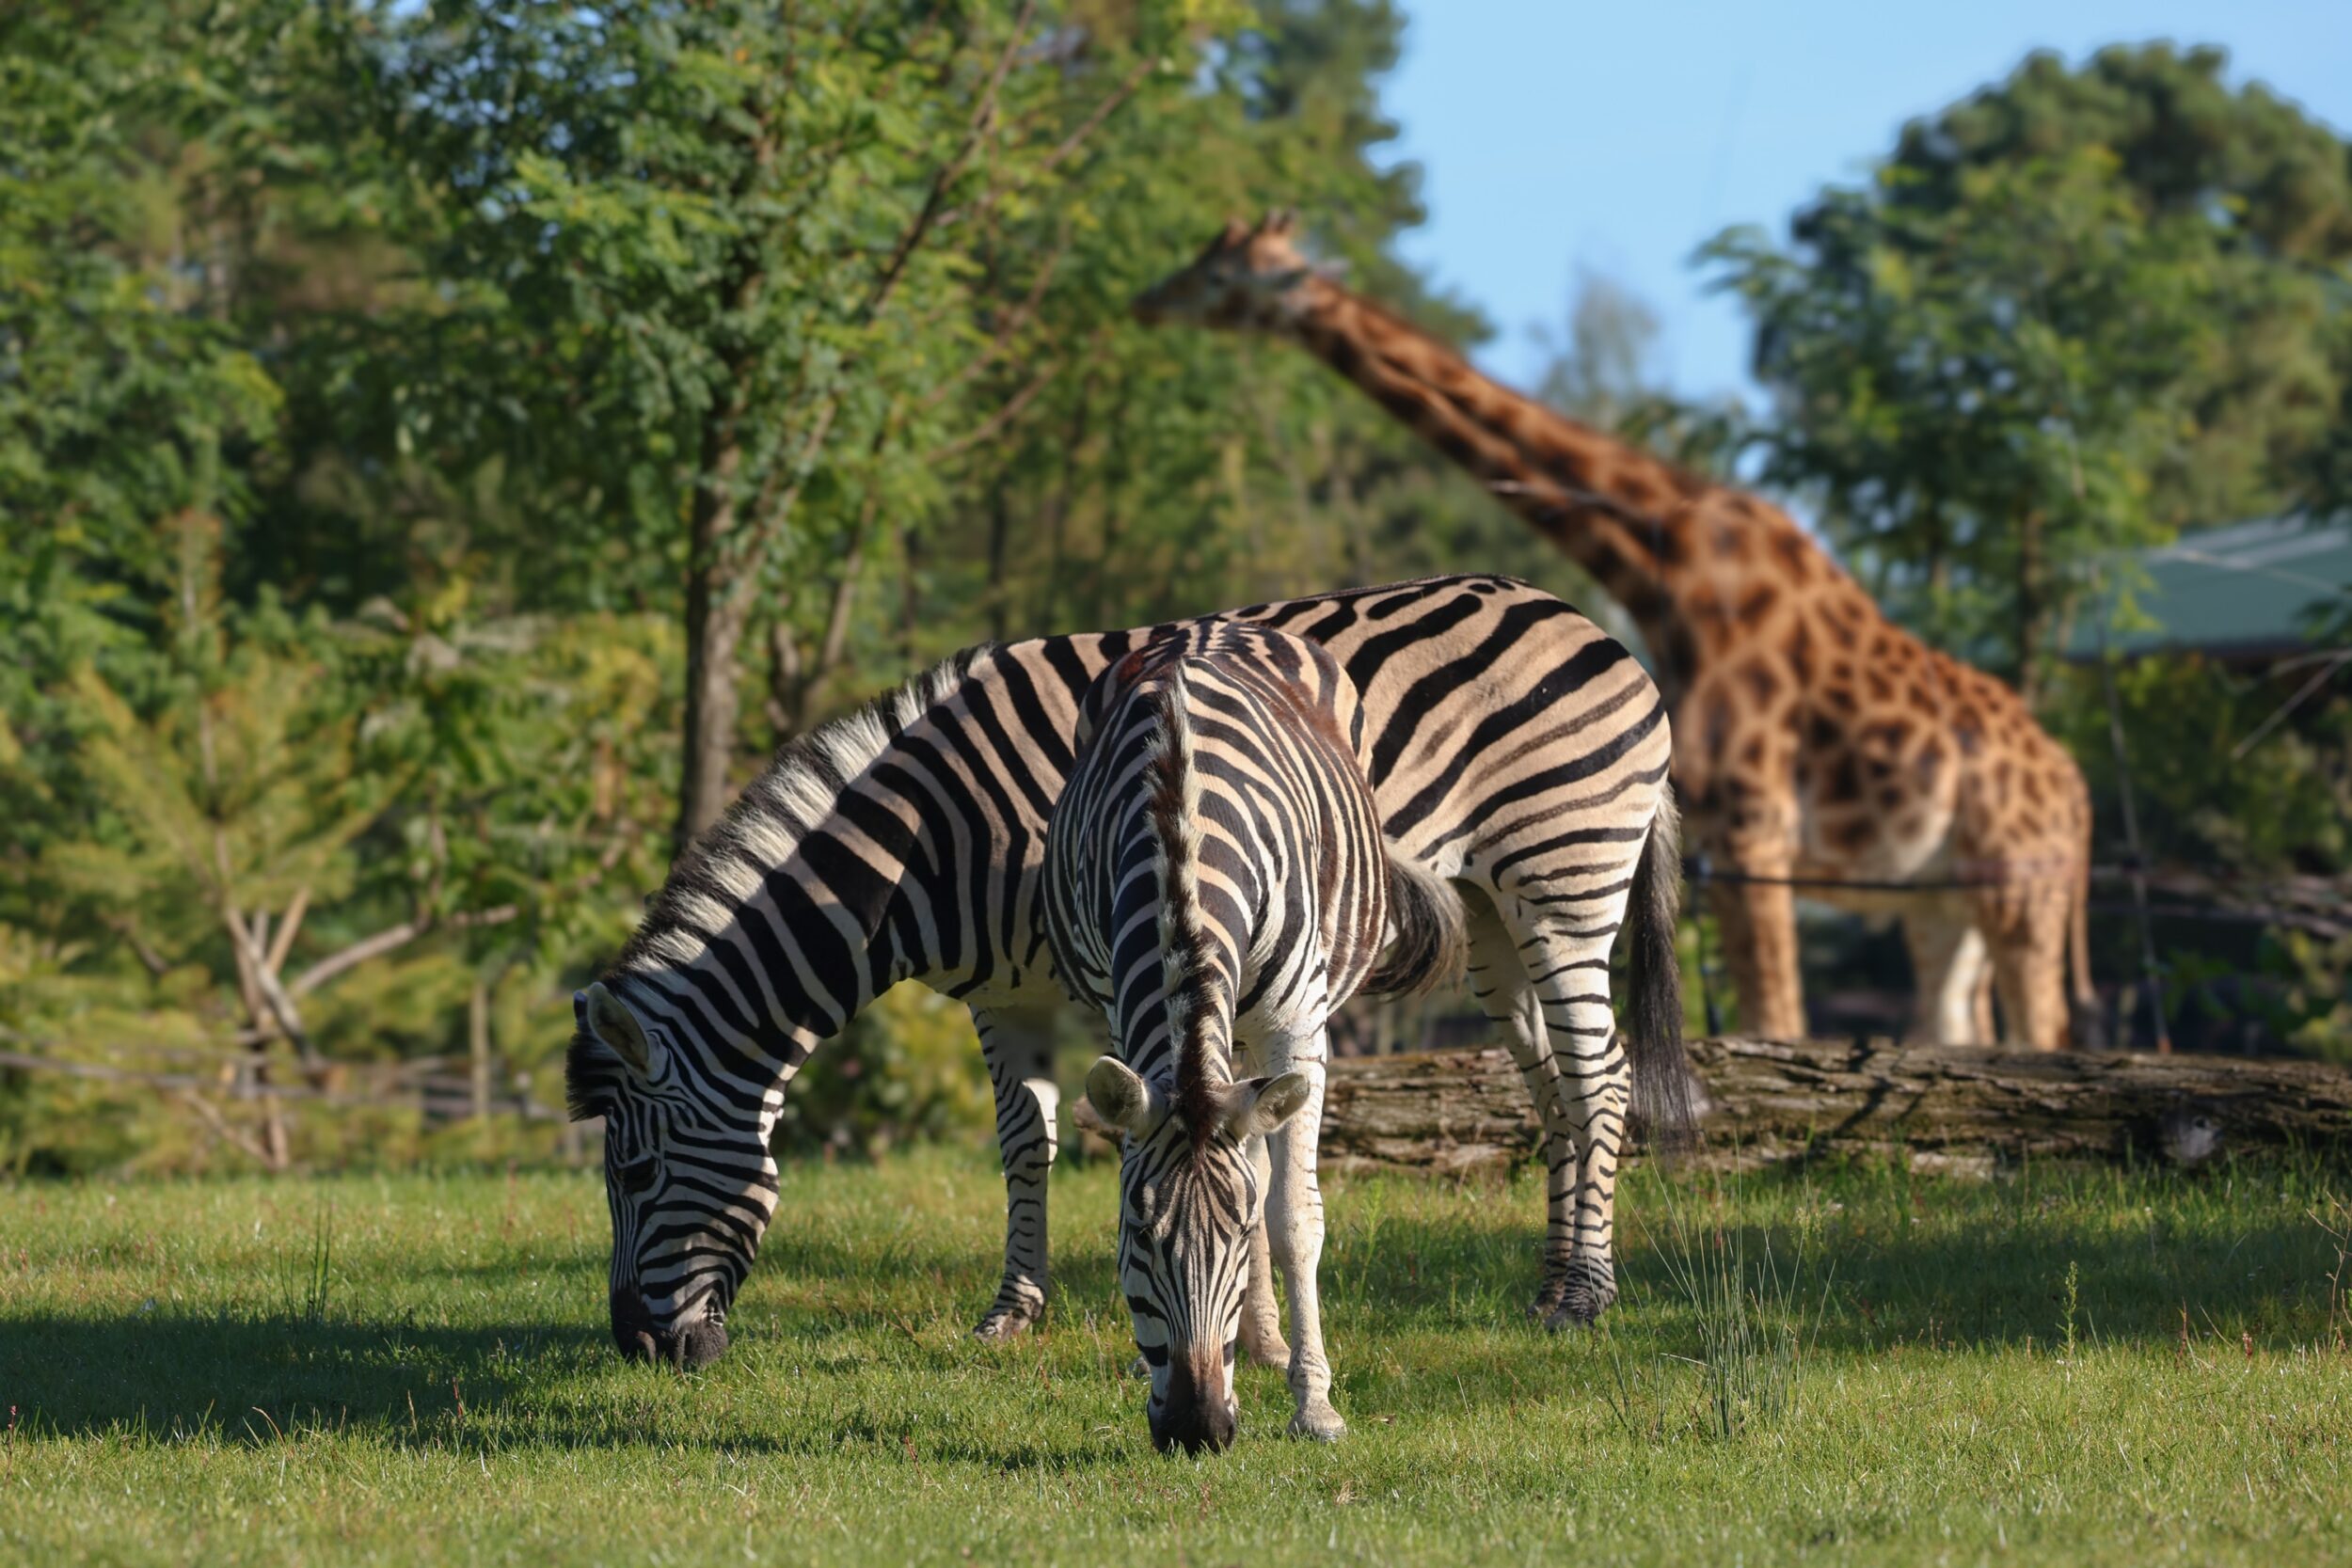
(1139, 1368)
(1318, 1423)
(1577, 1309)
(1548, 1300)
(1004, 1324)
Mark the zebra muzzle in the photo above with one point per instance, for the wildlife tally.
(1196, 1415)
(684, 1347)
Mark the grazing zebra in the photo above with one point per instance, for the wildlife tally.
(1510, 745)
(1214, 875)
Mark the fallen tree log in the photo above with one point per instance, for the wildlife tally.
(1936, 1108)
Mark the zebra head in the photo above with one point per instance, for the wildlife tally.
(1189, 1198)
(690, 1181)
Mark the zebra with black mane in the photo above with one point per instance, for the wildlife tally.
(1510, 746)
(1217, 884)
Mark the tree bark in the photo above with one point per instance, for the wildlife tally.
(1941, 1109)
(714, 631)
(2033, 611)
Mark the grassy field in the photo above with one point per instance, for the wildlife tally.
(2069, 1367)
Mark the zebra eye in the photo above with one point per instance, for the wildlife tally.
(636, 1176)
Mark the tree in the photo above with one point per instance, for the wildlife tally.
(711, 257)
(1601, 371)
(2073, 312)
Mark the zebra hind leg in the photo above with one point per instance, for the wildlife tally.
(1018, 1052)
(1595, 1090)
(1498, 981)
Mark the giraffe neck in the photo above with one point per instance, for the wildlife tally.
(1649, 534)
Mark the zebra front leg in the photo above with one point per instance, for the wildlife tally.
(1019, 1050)
(1260, 1314)
(1294, 1222)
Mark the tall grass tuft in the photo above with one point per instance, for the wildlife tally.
(1751, 1322)
(309, 1283)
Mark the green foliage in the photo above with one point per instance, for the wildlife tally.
(415, 418)
(2218, 783)
(394, 399)
(903, 1072)
(2072, 314)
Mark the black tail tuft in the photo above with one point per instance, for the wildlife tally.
(1432, 945)
(1663, 1100)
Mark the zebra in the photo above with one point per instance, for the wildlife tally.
(1511, 746)
(1214, 875)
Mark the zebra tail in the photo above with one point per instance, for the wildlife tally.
(1432, 945)
(1663, 1097)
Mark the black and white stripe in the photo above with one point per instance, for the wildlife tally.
(1510, 746)
(1215, 879)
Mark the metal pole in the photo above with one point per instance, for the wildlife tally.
(1700, 879)
(2130, 836)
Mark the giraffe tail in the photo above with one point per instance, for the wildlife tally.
(1660, 1065)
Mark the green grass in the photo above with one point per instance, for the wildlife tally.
(415, 1369)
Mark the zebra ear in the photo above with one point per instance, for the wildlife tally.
(1119, 1094)
(1261, 1106)
(605, 1016)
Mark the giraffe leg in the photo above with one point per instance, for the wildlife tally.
(1759, 927)
(1294, 1222)
(1498, 981)
(1018, 1049)
(2029, 966)
(1948, 969)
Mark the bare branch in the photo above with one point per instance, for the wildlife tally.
(983, 116)
(281, 1007)
(292, 923)
(1112, 102)
(152, 961)
(988, 428)
(1015, 322)
(393, 937)
(242, 1142)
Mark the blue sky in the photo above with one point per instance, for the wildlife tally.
(1620, 136)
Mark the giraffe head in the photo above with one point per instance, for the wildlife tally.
(1245, 278)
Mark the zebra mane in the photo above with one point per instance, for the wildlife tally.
(1175, 812)
(796, 791)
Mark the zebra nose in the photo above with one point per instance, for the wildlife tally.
(1196, 1416)
(641, 1338)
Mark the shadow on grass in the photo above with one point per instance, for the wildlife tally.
(255, 1382)
(1415, 1303)
(163, 1373)
(1971, 1266)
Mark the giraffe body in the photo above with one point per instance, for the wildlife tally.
(1815, 740)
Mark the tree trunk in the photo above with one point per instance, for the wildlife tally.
(2033, 611)
(1937, 1108)
(715, 613)
(478, 1046)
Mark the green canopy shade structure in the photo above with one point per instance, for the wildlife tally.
(2248, 593)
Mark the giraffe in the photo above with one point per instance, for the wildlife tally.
(1814, 738)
